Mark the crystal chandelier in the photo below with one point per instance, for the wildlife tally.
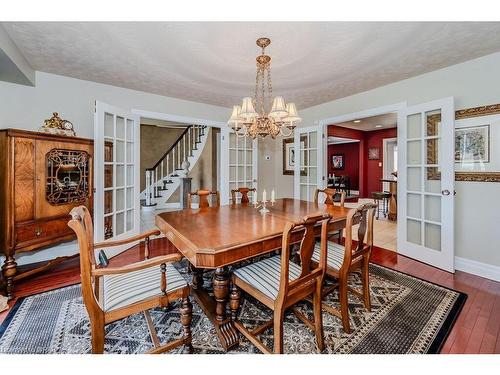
(252, 117)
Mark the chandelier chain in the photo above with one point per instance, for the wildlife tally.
(269, 82)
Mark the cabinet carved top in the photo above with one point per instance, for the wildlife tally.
(11, 132)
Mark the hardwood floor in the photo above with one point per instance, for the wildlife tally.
(477, 329)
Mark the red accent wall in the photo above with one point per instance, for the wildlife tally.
(369, 172)
(351, 162)
(373, 171)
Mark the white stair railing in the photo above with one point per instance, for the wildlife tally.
(167, 167)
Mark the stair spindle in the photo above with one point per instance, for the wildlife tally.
(192, 135)
(168, 165)
(185, 146)
(161, 169)
(148, 187)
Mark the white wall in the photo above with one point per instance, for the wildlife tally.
(25, 107)
(473, 83)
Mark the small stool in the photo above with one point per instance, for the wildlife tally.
(383, 196)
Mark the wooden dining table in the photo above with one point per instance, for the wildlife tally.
(218, 237)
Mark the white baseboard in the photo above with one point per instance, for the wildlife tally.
(169, 205)
(474, 267)
(175, 205)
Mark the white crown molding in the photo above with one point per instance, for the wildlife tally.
(474, 267)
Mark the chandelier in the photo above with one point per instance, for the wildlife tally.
(252, 117)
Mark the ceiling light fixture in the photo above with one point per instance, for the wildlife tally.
(357, 121)
(378, 126)
(252, 117)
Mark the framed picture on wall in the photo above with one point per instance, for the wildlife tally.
(338, 161)
(289, 156)
(472, 144)
(373, 153)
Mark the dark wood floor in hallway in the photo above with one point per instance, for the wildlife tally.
(477, 329)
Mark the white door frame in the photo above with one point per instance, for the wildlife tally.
(385, 141)
(224, 146)
(396, 107)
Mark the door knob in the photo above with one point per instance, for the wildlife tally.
(445, 192)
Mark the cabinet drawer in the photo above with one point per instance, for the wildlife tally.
(42, 231)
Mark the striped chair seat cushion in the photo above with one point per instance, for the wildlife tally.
(335, 254)
(265, 275)
(125, 289)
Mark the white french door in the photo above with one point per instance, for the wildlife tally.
(242, 163)
(116, 166)
(308, 154)
(426, 183)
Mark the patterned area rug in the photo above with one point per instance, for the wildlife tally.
(408, 315)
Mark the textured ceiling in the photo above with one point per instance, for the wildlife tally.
(388, 120)
(213, 63)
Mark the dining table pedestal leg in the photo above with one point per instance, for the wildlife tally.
(215, 308)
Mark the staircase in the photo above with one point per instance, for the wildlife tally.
(164, 178)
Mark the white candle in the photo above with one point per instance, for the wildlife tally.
(264, 195)
(273, 196)
(255, 197)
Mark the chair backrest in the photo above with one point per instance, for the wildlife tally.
(244, 194)
(363, 215)
(330, 195)
(308, 274)
(203, 198)
(81, 223)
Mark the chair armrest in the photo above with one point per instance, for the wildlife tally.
(100, 245)
(156, 261)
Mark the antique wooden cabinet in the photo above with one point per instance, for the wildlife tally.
(42, 177)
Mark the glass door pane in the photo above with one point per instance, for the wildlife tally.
(425, 231)
(116, 207)
(309, 170)
(242, 164)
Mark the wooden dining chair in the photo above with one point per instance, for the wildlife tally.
(279, 283)
(203, 196)
(330, 199)
(330, 196)
(244, 194)
(113, 293)
(343, 260)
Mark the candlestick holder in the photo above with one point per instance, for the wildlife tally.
(263, 207)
